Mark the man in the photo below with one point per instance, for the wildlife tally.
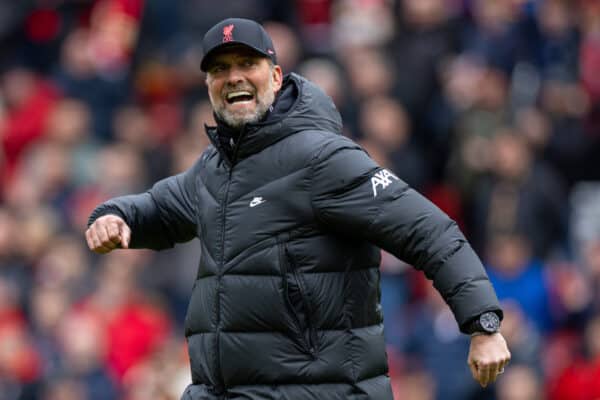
(290, 214)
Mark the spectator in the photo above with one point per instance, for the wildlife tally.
(78, 78)
(568, 147)
(287, 45)
(426, 35)
(69, 126)
(519, 277)
(579, 380)
(133, 127)
(134, 323)
(481, 108)
(20, 364)
(519, 383)
(385, 123)
(29, 100)
(361, 24)
(519, 195)
(496, 35)
(65, 388)
(434, 344)
(83, 346)
(558, 45)
(522, 335)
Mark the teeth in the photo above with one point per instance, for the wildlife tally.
(231, 95)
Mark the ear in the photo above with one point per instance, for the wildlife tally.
(277, 75)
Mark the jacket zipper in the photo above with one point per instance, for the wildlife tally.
(231, 163)
(219, 373)
(311, 341)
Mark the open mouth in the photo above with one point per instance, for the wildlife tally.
(239, 96)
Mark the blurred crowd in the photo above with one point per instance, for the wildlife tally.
(489, 108)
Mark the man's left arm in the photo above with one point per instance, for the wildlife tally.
(351, 193)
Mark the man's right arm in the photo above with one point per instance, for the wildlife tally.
(156, 219)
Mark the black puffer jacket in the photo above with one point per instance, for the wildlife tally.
(286, 303)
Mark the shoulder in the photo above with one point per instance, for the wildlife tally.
(330, 154)
(308, 148)
(317, 144)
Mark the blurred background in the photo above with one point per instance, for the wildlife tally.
(489, 108)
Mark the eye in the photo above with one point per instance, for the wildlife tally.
(217, 68)
(248, 62)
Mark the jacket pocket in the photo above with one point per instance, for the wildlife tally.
(297, 301)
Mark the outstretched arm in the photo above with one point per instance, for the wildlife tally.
(353, 195)
(156, 219)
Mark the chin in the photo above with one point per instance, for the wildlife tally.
(239, 121)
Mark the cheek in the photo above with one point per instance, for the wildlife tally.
(214, 91)
(264, 85)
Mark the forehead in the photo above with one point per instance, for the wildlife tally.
(231, 53)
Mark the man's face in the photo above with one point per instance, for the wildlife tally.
(242, 85)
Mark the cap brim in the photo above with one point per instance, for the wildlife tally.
(215, 50)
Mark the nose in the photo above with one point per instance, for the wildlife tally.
(235, 76)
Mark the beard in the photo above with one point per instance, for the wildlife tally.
(240, 118)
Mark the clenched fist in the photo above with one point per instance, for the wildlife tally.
(488, 355)
(107, 233)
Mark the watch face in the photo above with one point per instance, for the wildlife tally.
(489, 321)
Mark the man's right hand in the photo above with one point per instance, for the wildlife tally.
(107, 233)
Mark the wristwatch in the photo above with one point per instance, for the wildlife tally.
(487, 323)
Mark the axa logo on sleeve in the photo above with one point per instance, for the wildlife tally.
(382, 179)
